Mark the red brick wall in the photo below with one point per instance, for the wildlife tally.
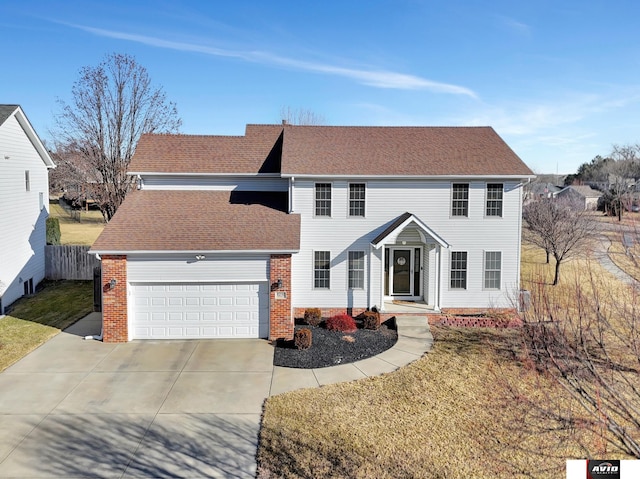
(280, 318)
(114, 301)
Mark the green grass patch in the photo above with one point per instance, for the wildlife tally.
(34, 320)
(83, 232)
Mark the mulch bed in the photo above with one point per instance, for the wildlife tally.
(328, 348)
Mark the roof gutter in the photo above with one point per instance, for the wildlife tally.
(413, 177)
(193, 251)
(157, 173)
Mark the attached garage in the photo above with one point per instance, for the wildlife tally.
(200, 310)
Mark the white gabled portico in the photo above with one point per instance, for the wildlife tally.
(411, 253)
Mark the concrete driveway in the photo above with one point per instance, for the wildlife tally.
(76, 408)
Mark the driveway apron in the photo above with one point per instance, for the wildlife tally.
(83, 408)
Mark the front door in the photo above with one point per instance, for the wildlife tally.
(403, 272)
(402, 268)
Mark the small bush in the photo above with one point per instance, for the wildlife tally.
(302, 338)
(371, 320)
(313, 316)
(53, 231)
(341, 322)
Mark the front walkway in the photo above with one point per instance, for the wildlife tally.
(414, 339)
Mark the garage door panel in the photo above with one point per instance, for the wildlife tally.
(205, 310)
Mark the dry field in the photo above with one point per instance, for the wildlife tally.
(83, 232)
(469, 408)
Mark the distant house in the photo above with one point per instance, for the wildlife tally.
(584, 195)
(24, 205)
(539, 190)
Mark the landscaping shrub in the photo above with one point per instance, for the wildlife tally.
(302, 338)
(53, 231)
(341, 322)
(313, 316)
(371, 320)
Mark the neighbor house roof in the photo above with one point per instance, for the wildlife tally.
(583, 190)
(199, 221)
(333, 150)
(168, 153)
(6, 111)
(398, 151)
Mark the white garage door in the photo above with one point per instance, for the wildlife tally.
(201, 310)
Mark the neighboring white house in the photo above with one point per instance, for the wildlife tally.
(582, 195)
(24, 205)
(236, 236)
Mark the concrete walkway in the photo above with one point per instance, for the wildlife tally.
(414, 339)
(81, 408)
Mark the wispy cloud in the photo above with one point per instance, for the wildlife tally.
(374, 78)
(515, 25)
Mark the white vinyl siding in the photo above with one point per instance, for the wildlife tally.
(386, 200)
(356, 269)
(22, 220)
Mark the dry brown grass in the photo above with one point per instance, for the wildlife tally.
(33, 320)
(472, 407)
(83, 232)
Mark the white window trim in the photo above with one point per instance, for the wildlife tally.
(451, 215)
(484, 270)
(466, 288)
(366, 194)
(364, 269)
(331, 201)
(486, 199)
(313, 270)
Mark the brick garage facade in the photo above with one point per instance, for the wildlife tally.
(114, 300)
(281, 324)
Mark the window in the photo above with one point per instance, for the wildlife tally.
(494, 199)
(27, 181)
(460, 200)
(321, 264)
(356, 199)
(492, 269)
(356, 269)
(458, 270)
(323, 199)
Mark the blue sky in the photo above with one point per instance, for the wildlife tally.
(558, 80)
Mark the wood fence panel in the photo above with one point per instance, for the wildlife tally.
(69, 262)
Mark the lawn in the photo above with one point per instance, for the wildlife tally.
(83, 232)
(466, 409)
(33, 320)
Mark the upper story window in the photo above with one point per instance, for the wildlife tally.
(460, 199)
(27, 180)
(356, 199)
(323, 199)
(321, 269)
(458, 270)
(494, 199)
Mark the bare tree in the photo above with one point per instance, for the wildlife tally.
(112, 105)
(560, 227)
(587, 339)
(301, 116)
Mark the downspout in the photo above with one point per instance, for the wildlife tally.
(519, 249)
(292, 180)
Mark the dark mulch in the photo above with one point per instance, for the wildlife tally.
(328, 348)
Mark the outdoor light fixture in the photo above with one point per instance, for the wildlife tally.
(200, 257)
(279, 284)
(112, 283)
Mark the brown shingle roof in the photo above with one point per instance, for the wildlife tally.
(423, 151)
(152, 220)
(334, 150)
(167, 153)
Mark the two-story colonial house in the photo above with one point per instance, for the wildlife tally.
(234, 236)
(24, 205)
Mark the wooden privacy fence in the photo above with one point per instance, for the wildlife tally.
(69, 262)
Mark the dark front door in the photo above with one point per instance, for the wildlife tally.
(402, 267)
